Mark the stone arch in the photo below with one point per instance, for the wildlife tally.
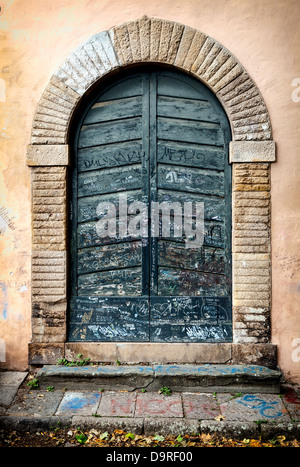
(151, 40)
(144, 41)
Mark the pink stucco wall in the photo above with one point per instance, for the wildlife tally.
(36, 36)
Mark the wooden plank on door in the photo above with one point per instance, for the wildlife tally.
(204, 259)
(193, 155)
(187, 109)
(189, 131)
(180, 281)
(125, 282)
(110, 155)
(175, 86)
(110, 132)
(115, 256)
(213, 206)
(89, 209)
(109, 180)
(191, 180)
(127, 87)
(116, 109)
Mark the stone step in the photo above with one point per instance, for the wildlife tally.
(194, 378)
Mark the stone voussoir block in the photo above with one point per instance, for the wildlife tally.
(190, 44)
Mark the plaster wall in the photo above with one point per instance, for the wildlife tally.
(35, 39)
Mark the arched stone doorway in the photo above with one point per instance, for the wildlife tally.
(153, 41)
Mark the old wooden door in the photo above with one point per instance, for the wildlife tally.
(151, 137)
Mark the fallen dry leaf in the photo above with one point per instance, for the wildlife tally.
(219, 418)
(206, 438)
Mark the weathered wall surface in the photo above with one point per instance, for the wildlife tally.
(37, 36)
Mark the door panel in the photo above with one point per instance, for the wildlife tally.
(151, 137)
(191, 167)
(110, 159)
(190, 319)
(99, 319)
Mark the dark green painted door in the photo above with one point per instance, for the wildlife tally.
(151, 138)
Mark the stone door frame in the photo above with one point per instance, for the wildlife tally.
(153, 41)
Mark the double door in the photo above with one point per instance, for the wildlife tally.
(150, 229)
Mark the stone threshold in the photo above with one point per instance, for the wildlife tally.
(264, 354)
